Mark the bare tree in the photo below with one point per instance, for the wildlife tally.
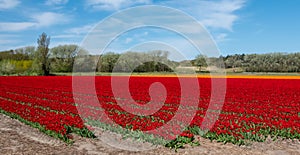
(43, 53)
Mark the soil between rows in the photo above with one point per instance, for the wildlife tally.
(18, 138)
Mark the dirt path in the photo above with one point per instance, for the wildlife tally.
(17, 138)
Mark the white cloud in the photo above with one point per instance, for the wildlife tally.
(56, 2)
(221, 37)
(159, 17)
(8, 4)
(75, 32)
(37, 20)
(64, 36)
(16, 26)
(49, 18)
(128, 40)
(9, 41)
(111, 5)
(222, 14)
(6, 41)
(213, 14)
(57, 43)
(81, 30)
(219, 14)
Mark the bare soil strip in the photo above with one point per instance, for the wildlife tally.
(18, 138)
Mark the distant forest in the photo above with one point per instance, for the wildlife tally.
(270, 62)
(27, 61)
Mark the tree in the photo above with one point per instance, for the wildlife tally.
(107, 62)
(6, 67)
(131, 61)
(42, 54)
(200, 61)
(62, 58)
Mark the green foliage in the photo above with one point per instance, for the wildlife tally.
(200, 61)
(85, 63)
(6, 67)
(271, 62)
(62, 58)
(15, 66)
(17, 61)
(128, 133)
(42, 54)
(84, 132)
(180, 141)
(107, 62)
(153, 61)
(41, 61)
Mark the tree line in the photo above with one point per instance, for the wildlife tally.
(42, 60)
(269, 62)
(130, 61)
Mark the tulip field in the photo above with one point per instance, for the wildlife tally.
(253, 109)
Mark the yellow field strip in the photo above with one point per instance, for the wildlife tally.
(227, 76)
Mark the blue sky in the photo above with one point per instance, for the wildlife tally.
(237, 26)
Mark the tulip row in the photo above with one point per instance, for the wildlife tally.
(253, 108)
(22, 98)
